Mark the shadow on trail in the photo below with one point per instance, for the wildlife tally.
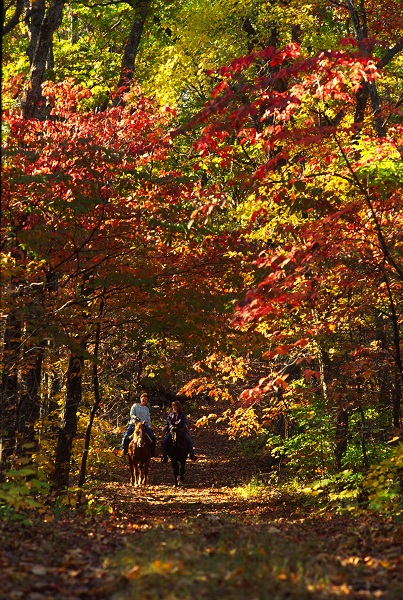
(203, 540)
(192, 549)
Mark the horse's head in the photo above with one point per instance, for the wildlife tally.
(177, 433)
(139, 433)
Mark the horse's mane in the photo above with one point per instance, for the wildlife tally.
(139, 433)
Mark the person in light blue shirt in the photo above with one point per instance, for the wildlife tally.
(139, 412)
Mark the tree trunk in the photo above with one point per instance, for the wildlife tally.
(34, 103)
(29, 408)
(364, 439)
(340, 441)
(68, 428)
(97, 402)
(141, 10)
(397, 400)
(9, 386)
(14, 20)
(34, 15)
(394, 317)
(358, 18)
(87, 441)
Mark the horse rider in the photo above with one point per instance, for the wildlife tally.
(139, 412)
(176, 416)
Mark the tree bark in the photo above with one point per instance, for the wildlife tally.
(34, 15)
(9, 386)
(369, 89)
(68, 428)
(13, 21)
(29, 408)
(97, 402)
(394, 317)
(340, 440)
(34, 103)
(397, 400)
(141, 10)
(364, 439)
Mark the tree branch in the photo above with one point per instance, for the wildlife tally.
(13, 21)
(391, 53)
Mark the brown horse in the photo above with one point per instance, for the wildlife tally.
(139, 454)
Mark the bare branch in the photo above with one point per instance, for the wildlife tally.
(391, 53)
(15, 18)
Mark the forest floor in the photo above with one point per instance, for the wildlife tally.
(204, 539)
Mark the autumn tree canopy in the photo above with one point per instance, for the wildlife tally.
(205, 198)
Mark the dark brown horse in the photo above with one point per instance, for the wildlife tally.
(139, 454)
(177, 451)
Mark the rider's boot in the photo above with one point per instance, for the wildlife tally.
(153, 452)
(191, 452)
(126, 442)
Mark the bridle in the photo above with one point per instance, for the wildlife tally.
(177, 434)
(140, 435)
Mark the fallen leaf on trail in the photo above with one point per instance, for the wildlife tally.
(231, 574)
(220, 537)
(38, 570)
(133, 573)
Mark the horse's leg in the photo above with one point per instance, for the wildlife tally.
(137, 474)
(175, 466)
(144, 473)
(182, 471)
(146, 467)
(131, 467)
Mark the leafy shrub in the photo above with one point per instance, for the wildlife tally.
(24, 492)
(383, 484)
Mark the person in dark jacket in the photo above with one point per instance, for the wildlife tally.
(177, 415)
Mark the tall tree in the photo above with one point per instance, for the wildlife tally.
(141, 11)
(320, 184)
(42, 24)
(93, 199)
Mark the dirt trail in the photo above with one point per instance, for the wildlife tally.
(217, 466)
(200, 540)
(208, 487)
(64, 559)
